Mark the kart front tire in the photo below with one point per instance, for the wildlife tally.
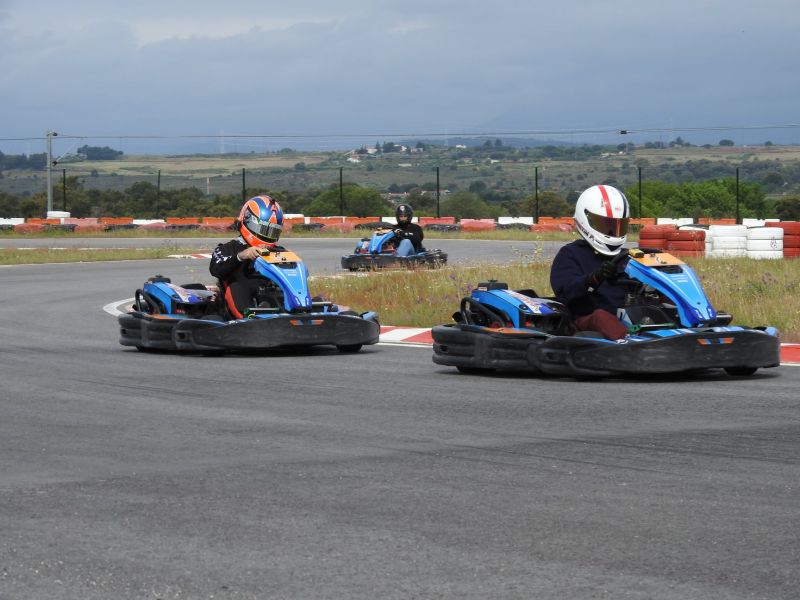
(349, 348)
(474, 370)
(740, 371)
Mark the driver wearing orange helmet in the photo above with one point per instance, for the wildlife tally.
(260, 224)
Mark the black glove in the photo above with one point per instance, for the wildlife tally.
(399, 233)
(607, 270)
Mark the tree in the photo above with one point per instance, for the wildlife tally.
(772, 180)
(551, 204)
(98, 153)
(466, 205)
(726, 142)
(358, 202)
(788, 209)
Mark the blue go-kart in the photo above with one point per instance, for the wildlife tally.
(380, 251)
(193, 317)
(672, 328)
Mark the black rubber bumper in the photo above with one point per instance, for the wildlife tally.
(145, 331)
(698, 349)
(472, 347)
(369, 262)
(469, 347)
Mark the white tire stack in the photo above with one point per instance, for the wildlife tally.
(765, 242)
(727, 241)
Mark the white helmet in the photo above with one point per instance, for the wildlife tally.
(601, 217)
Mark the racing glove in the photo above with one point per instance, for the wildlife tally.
(607, 270)
(399, 233)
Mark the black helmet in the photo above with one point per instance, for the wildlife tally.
(406, 212)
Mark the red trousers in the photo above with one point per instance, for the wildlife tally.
(604, 323)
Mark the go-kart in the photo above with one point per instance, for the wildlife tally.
(380, 251)
(671, 323)
(194, 318)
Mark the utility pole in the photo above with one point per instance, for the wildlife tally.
(341, 191)
(64, 190)
(640, 192)
(50, 135)
(158, 192)
(438, 192)
(536, 192)
(738, 221)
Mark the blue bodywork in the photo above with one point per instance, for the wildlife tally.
(291, 278)
(519, 308)
(378, 240)
(680, 284)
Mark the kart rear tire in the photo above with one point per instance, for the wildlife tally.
(349, 348)
(740, 371)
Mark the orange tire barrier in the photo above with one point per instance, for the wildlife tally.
(436, 221)
(686, 246)
(478, 225)
(685, 235)
(29, 227)
(115, 220)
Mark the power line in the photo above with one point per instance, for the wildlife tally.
(384, 135)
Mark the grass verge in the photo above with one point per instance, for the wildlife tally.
(36, 256)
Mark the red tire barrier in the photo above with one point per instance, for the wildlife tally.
(790, 227)
(791, 241)
(478, 225)
(339, 227)
(685, 235)
(791, 252)
(686, 246)
(29, 227)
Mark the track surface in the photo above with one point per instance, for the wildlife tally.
(379, 475)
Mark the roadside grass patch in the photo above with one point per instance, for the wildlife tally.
(36, 256)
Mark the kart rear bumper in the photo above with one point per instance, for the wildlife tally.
(147, 331)
(367, 262)
(474, 347)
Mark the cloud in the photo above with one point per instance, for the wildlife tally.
(317, 67)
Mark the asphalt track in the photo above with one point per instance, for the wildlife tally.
(376, 475)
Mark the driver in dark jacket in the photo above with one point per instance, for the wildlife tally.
(260, 223)
(583, 272)
(408, 234)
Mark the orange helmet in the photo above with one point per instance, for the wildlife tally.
(261, 221)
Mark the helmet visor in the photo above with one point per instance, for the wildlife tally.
(608, 225)
(263, 230)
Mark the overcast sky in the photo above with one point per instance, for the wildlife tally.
(327, 68)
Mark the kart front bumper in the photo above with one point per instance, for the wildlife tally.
(672, 351)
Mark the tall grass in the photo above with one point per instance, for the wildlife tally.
(755, 292)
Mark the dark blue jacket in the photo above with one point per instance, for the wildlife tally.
(569, 279)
